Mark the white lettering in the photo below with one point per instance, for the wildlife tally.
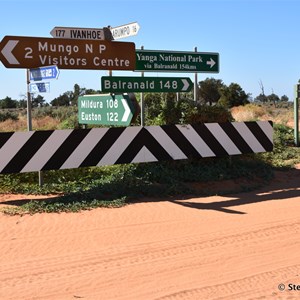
(102, 48)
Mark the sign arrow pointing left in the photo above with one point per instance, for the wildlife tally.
(34, 52)
(7, 52)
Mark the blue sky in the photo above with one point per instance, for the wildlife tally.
(257, 40)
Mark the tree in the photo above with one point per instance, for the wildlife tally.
(261, 87)
(8, 103)
(78, 91)
(273, 98)
(233, 95)
(90, 91)
(62, 100)
(284, 98)
(153, 105)
(209, 90)
(261, 98)
(38, 101)
(22, 103)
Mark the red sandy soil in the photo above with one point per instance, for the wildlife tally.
(238, 246)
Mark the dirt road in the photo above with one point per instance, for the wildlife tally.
(243, 246)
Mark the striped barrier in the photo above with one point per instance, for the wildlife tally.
(75, 148)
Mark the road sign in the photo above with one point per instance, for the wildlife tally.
(105, 109)
(42, 73)
(125, 30)
(40, 87)
(145, 84)
(78, 33)
(171, 61)
(34, 52)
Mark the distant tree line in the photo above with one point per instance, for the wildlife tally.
(210, 92)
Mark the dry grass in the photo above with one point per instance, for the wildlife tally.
(44, 123)
(253, 112)
(12, 125)
(249, 112)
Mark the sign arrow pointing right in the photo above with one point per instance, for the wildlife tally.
(185, 85)
(127, 110)
(211, 62)
(7, 52)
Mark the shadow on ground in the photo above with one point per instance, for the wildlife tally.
(284, 185)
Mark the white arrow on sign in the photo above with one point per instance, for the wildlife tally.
(211, 62)
(186, 84)
(127, 110)
(125, 30)
(7, 52)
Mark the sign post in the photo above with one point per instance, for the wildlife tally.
(124, 31)
(36, 52)
(123, 84)
(296, 114)
(177, 61)
(105, 109)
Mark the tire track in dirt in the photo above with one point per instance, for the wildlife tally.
(239, 289)
(161, 252)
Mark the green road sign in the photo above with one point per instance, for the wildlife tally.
(145, 84)
(172, 61)
(105, 109)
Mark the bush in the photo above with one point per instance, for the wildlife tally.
(60, 113)
(70, 123)
(169, 111)
(207, 114)
(284, 154)
(6, 115)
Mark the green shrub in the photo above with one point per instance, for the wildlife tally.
(169, 111)
(207, 114)
(284, 154)
(70, 123)
(60, 113)
(6, 115)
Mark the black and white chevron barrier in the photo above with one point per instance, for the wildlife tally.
(74, 148)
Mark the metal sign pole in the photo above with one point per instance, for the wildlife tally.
(142, 102)
(29, 119)
(296, 115)
(196, 83)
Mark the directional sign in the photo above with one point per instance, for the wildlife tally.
(40, 87)
(34, 52)
(42, 73)
(145, 84)
(171, 61)
(78, 33)
(105, 109)
(125, 30)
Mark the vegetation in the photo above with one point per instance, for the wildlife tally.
(210, 91)
(114, 186)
